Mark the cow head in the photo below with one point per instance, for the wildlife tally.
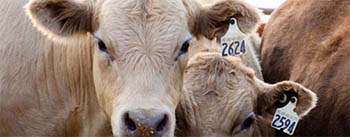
(139, 53)
(222, 97)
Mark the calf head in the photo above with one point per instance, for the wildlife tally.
(222, 97)
(139, 51)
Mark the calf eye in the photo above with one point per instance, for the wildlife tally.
(248, 122)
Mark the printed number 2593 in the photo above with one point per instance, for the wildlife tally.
(283, 123)
(235, 48)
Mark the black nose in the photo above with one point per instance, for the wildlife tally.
(146, 123)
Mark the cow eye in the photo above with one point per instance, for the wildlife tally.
(184, 47)
(248, 122)
(102, 46)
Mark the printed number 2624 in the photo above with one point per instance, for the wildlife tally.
(235, 48)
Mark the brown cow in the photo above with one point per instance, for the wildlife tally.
(308, 41)
(127, 83)
(222, 97)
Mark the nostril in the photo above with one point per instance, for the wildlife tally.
(162, 124)
(130, 124)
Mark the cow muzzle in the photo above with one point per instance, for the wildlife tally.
(146, 123)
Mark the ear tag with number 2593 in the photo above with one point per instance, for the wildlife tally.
(233, 41)
(285, 118)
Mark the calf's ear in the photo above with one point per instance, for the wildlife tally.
(278, 95)
(62, 18)
(212, 21)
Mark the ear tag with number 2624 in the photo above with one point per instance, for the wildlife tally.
(285, 118)
(233, 41)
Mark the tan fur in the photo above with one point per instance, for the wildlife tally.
(65, 14)
(307, 41)
(46, 89)
(62, 84)
(220, 92)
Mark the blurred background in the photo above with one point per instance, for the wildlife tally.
(266, 4)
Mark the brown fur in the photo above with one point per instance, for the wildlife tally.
(220, 92)
(307, 41)
(261, 29)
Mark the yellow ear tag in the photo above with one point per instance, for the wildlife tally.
(285, 118)
(234, 41)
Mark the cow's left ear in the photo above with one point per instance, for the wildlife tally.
(62, 18)
(278, 95)
(212, 21)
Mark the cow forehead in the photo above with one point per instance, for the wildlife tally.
(148, 26)
(144, 9)
(143, 20)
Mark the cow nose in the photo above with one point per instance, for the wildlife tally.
(143, 123)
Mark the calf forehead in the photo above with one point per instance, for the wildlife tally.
(222, 114)
(211, 72)
(223, 99)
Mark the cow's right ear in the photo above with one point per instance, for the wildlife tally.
(62, 18)
(278, 95)
(213, 21)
